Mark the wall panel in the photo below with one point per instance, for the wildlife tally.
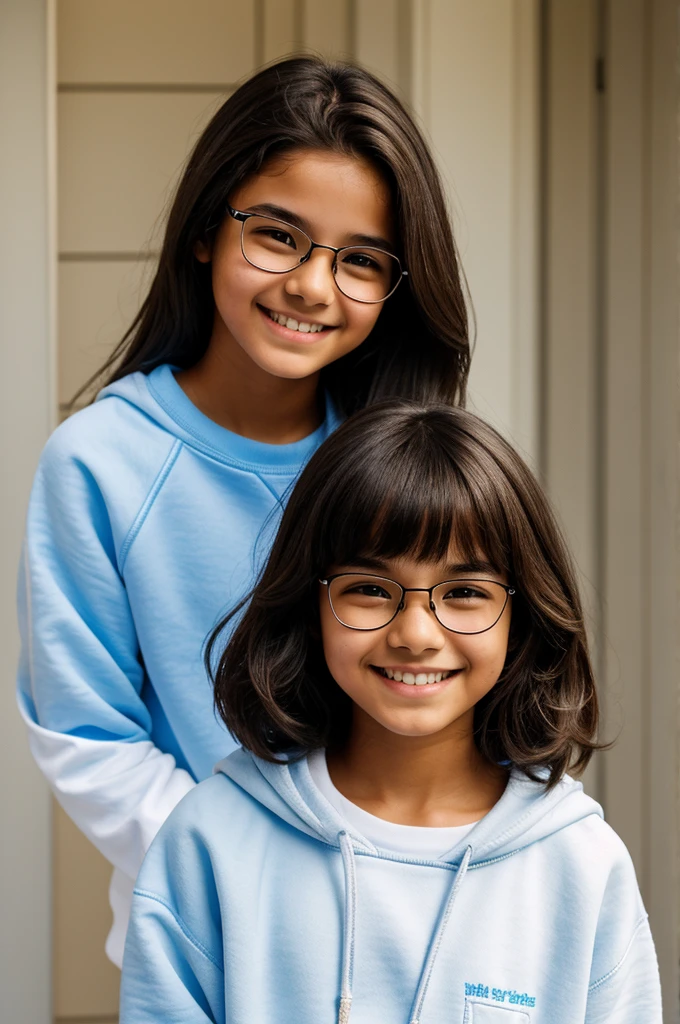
(484, 130)
(162, 42)
(119, 158)
(326, 27)
(98, 301)
(282, 28)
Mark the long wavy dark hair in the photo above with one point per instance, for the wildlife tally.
(419, 348)
(402, 479)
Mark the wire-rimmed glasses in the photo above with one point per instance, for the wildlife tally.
(365, 601)
(361, 272)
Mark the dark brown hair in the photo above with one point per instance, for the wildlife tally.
(419, 348)
(404, 479)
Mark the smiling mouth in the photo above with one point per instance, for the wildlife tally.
(302, 326)
(415, 678)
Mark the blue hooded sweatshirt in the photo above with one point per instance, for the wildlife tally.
(258, 904)
(147, 522)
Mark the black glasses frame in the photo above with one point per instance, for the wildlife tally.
(243, 217)
(509, 591)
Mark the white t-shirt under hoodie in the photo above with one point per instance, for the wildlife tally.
(409, 840)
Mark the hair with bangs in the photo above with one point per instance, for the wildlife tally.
(402, 479)
(419, 347)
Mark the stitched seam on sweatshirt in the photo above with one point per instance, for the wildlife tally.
(185, 931)
(610, 974)
(148, 502)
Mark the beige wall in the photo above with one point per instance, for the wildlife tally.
(26, 407)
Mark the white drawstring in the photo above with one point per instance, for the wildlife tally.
(436, 942)
(347, 851)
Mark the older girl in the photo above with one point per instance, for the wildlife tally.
(308, 270)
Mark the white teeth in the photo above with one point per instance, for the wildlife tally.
(416, 679)
(294, 325)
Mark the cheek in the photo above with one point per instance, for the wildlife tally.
(344, 650)
(364, 318)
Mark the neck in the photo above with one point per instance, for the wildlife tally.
(229, 388)
(435, 781)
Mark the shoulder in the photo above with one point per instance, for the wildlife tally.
(113, 424)
(110, 452)
(211, 814)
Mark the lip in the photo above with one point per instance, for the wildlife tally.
(297, 337)
(411, 690)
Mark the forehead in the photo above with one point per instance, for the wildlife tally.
(335, 194)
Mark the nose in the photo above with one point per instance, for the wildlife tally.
(313, 281)
(415, 627)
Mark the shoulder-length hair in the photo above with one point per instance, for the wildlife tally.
(419, 348)
(401, 479)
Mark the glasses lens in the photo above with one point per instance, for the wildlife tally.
(364, 602)
(366, 274)
(273, 245)
(469, 606)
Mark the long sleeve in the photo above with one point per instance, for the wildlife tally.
(630, 992)
(173, 969)
(80, 676)
(624, 986)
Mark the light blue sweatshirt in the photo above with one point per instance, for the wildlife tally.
(147, 521)
(258, 904)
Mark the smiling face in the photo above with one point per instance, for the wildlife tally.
(384, 670)
(337, 200)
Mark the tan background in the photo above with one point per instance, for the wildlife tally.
(561, 195)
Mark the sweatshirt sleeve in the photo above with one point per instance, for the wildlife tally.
(173, 967)
(625, 987)
(80, 673)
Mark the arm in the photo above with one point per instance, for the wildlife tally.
(624, 986)
(631, 992)
(80, 675)
(173, 969)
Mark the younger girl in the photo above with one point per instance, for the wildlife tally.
(308, 270)
(398, 842)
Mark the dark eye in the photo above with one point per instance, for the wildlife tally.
(466, 593)
(362, 260)
(369, 590)
(277, 235)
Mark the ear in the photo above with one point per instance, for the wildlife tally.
(202, 252)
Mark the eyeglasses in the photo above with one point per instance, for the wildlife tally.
(364, 601)
(361, 272)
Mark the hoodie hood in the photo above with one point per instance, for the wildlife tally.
(524, 815)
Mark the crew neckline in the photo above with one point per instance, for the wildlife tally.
(410, 840)
(166, 390)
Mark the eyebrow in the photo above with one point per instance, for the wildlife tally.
(477, 566)
(281, 213)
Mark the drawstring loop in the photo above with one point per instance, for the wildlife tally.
(349, 935)
(347, 851)
(436, 942)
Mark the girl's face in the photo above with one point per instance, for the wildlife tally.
(338, 200)
(416, 643)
